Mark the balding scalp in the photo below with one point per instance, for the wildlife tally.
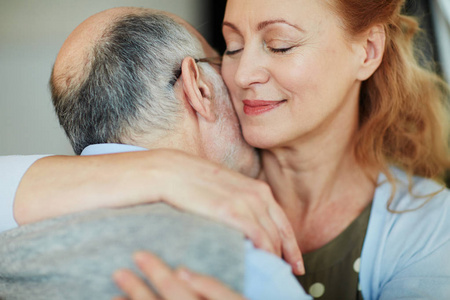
(116, 85)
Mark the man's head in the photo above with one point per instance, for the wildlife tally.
(129, 75)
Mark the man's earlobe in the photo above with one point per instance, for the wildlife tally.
(197, 92)
(374, 46)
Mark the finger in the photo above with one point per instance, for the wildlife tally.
(163, 278)
(207, 287)
(273, 232)
(253, 230)
(133, 286)
(223, 196)
(238, 215)
(290, 248)
(120, 298)
(266, 221)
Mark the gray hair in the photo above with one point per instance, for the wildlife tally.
(127, 86)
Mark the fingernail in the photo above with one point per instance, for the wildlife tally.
(139, 256)
(300, 267)
(184, 274)
(119, 275)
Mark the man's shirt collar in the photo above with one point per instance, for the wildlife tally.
(110, 148)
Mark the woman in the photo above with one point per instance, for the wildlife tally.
(332, 93)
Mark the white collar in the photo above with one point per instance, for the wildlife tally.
(110, 148)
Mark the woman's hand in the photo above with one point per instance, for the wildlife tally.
(211, 190)
(182, 180)
(170, 284)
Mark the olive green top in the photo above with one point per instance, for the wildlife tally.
(332, 271)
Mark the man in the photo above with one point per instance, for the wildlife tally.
(132, 79)
(128, 91)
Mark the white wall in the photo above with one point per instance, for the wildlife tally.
(31, 33)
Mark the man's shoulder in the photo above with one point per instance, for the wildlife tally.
(64, 250)
(147, 219)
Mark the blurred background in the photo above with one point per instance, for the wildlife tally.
(31, 33)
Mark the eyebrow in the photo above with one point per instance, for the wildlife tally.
(231, 25)
(264, 24)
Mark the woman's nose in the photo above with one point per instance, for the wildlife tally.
(251, 69)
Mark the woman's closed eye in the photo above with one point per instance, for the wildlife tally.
(281, 50)
(280, 46)
(271, 49)
(233, 46)
(232, 52)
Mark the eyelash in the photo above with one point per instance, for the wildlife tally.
(273, 50)
(280, 50)
(232, 52)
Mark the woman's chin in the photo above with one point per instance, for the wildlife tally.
(260, 141)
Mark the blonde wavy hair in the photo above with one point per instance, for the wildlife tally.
(404, 107)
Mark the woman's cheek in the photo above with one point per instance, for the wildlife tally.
(230, 64)
(226, 73)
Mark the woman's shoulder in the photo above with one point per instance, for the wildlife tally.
(408, 239)
(411, 193)
(413, 215)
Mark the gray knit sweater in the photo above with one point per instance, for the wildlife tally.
(74, 256)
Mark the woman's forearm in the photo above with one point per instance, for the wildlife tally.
(59, 185)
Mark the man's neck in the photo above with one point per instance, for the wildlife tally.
(177, 141)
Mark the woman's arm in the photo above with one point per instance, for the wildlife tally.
(12, 169)
(60, 185)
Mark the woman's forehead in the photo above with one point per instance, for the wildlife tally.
(307, 16)
(293, 11)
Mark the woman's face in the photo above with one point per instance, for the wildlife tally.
(291, 73)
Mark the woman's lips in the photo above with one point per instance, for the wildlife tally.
(257, 107)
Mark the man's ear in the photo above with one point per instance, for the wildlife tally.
(373, 45)
(197, 92)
